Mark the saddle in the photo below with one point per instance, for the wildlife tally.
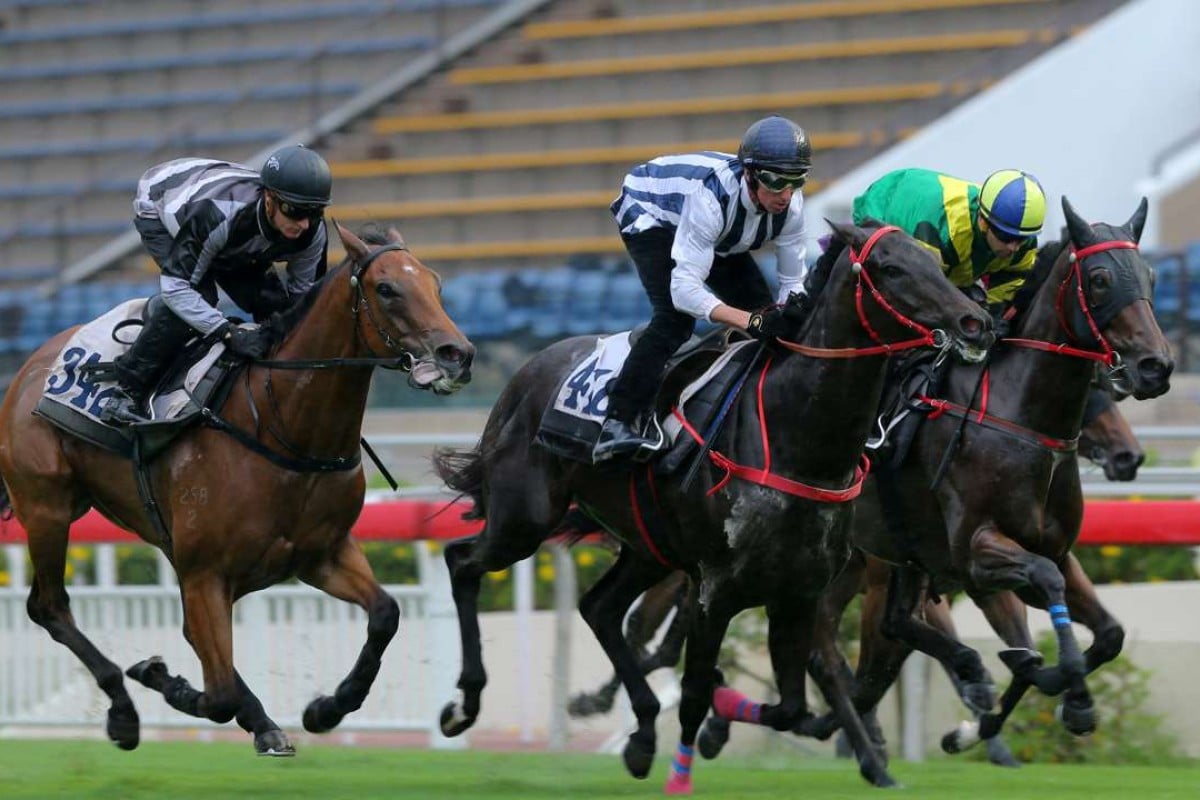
(901, 411)
(81, 380)
(571, 422)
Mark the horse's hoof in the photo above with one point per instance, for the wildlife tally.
(962, 738)
(638, 756)
(678, 784)
(876, 776)
(819, 728)
(1079, 720)
(124, 727)
(714, 734)
(999, 754)
(151, 672)
(273, 743)
(321, 715)
(453, 721)
(979, 697)
(588, 705)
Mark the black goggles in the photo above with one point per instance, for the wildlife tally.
(298, 212)
(1009, 238)
(779, 181)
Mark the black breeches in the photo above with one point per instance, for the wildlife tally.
(735, 279)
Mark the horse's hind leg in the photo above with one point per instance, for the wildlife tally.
(603, 608)
(347, 576)
(1108, 635)
(208, 620)
(49, 606)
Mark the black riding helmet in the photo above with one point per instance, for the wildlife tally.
(298, 175)
(776, 144)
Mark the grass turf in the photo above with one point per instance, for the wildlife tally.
(180, 770)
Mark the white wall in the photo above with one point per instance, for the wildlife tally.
(1089, 119)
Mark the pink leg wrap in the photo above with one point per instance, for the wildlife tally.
(679, 779)
(734, 706)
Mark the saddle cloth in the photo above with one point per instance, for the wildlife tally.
(571, 422)
(73, 401)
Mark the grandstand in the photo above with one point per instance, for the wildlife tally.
(493, 133)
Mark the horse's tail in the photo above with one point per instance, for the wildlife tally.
(462, 471)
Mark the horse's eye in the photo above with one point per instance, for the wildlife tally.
(386, 290)
(1100, 280)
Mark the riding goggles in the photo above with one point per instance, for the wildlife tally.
(298, 212)
(779, 181)
(1009, 238)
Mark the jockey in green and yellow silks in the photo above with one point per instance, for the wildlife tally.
(984, 235)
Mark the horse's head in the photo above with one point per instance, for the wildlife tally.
(910, 291)
(1107, 439)
(1098, 296)
(402, 314)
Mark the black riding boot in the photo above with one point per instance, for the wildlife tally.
(141, 367)
(639, 438)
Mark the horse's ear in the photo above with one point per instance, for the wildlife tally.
(1138, 220)
(355, 246)
(1081, 232)
(849, 233)
(394, 237)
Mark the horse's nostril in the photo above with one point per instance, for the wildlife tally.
(1153, 368)
(450, 354)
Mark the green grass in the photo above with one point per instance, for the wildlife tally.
(180, 770)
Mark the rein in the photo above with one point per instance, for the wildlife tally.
(763, 476)
(858, 260)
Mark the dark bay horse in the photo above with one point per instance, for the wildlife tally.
(1106, 439)
(1006, 512)
(239, 519)
(774, 536)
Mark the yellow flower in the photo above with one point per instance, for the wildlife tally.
(545, 572)
(400, 551)
(69, 571)
(585, 558)
(1110, 550)
(79, 553)
(498, 576)
(3, 578)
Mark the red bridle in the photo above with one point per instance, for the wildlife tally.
(1106, 355)
(858, 261)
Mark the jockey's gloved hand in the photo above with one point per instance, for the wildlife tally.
(1000, 326)
(768, 324)
(976, 293)
(247, 341)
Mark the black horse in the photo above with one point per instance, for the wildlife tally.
(1106, 439)
(772, 536)
(1006, 511)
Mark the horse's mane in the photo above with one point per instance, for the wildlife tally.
(283, 322)
(1046, 257)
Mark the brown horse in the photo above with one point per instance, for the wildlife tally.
(275, 499)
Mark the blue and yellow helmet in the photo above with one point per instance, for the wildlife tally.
(1013, 202)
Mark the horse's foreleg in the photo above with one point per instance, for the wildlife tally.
(998, 561)
(603, 607)
(347, 576)
(269, 739)
(208, 613)
(706, 630)
(1108, 635)
(49, 606)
